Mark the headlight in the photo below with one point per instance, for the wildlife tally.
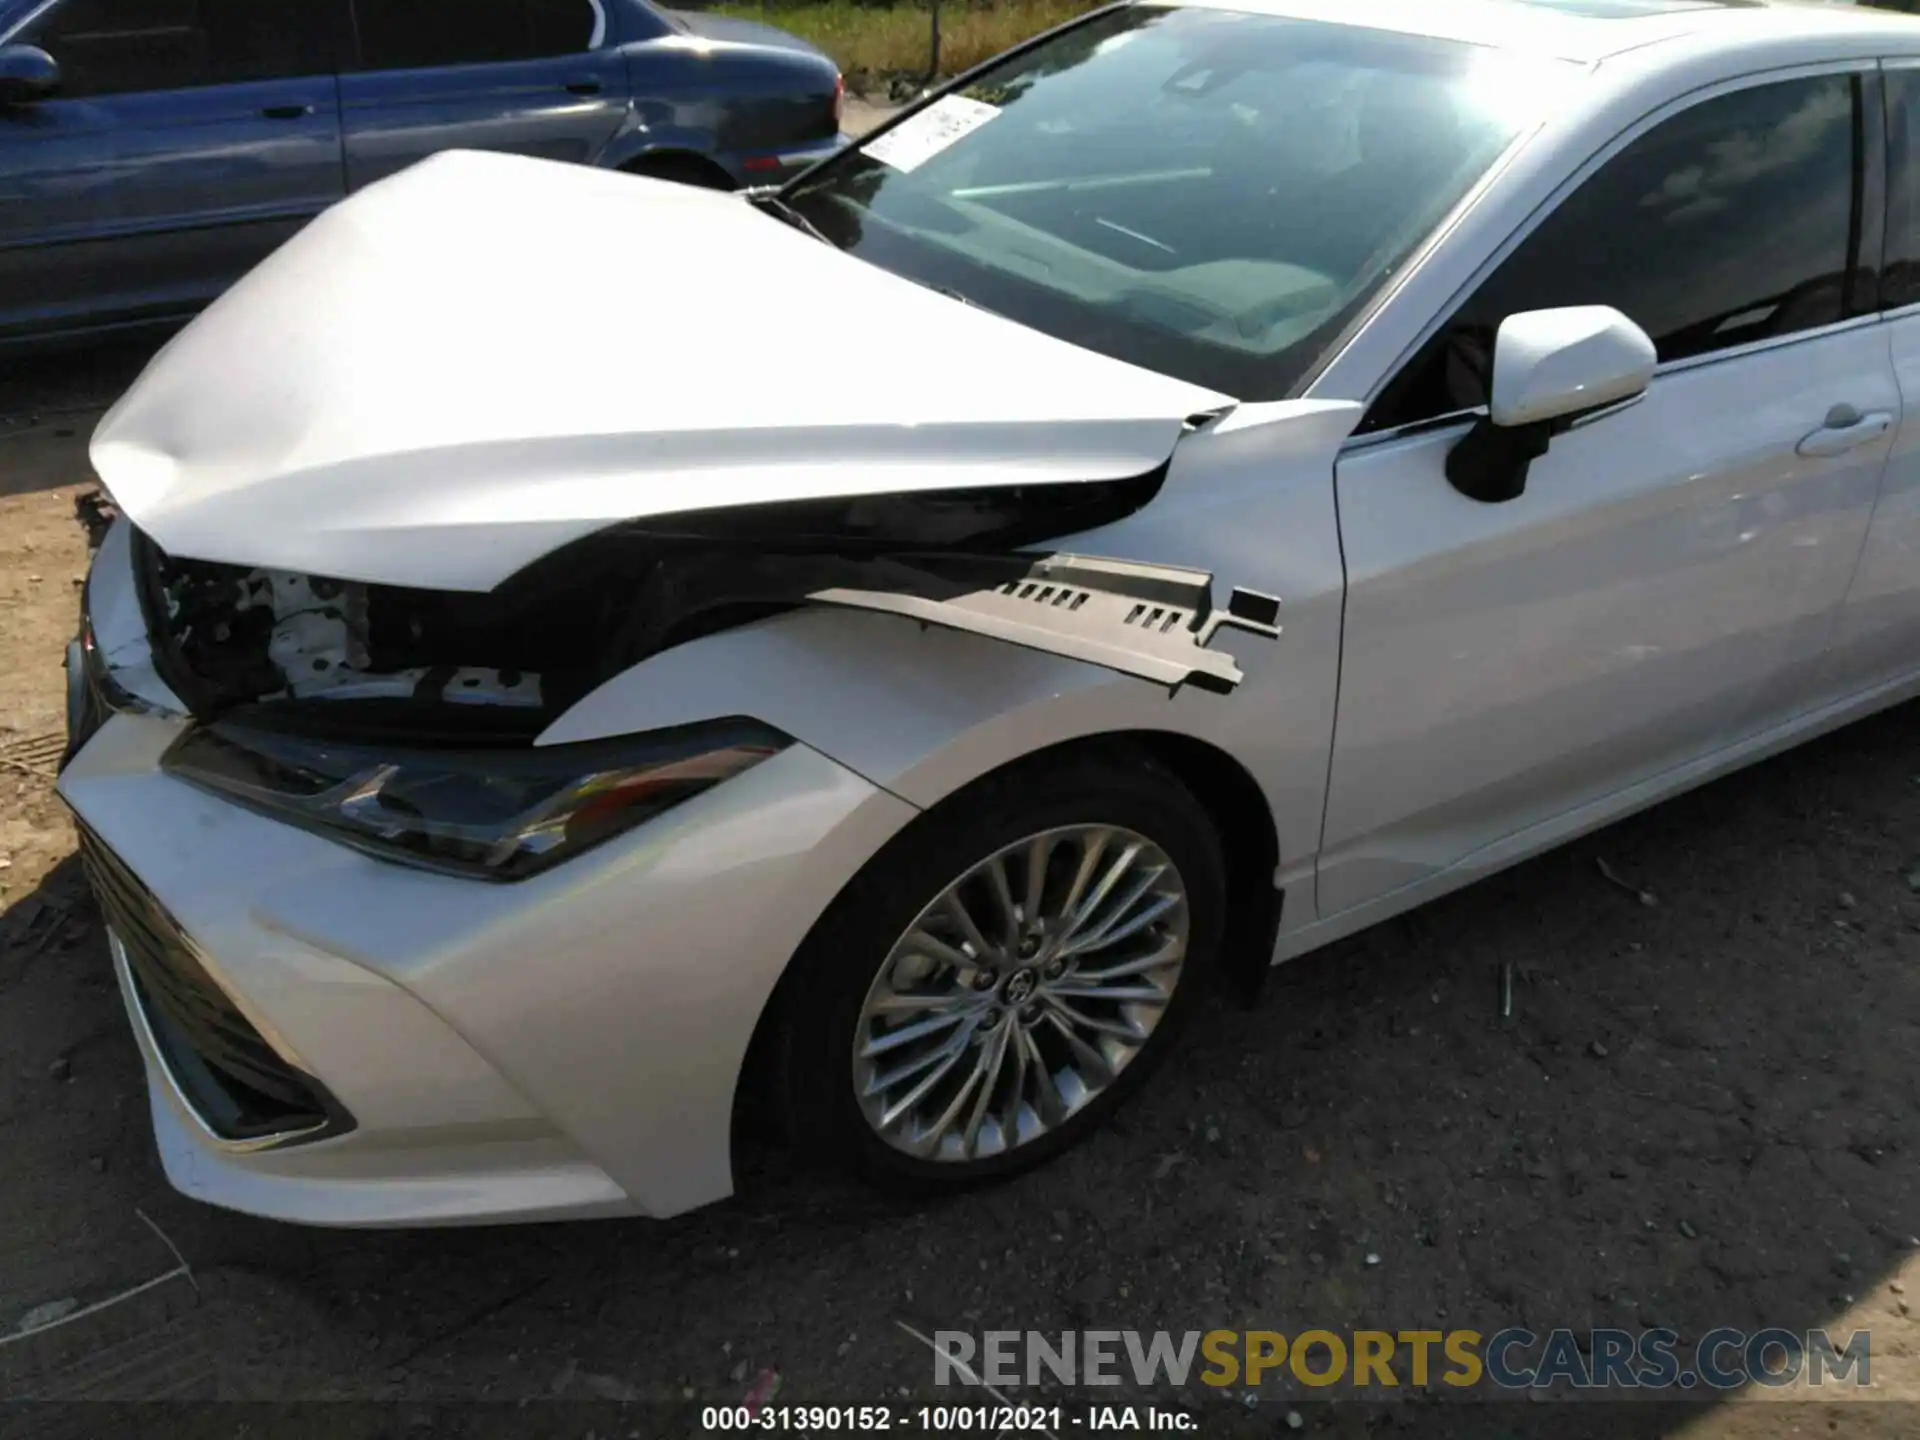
(489, 814)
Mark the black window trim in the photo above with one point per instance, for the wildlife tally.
(1867, 234)
(1903, 168)
(1875, 179)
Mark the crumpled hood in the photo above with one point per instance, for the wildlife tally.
(471, 363)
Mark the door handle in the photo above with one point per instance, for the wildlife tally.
(585, 85)
(1846, 428)
(286, 112)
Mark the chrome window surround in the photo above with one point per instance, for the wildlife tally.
(1560, 193)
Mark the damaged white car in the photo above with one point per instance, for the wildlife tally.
(574, 653)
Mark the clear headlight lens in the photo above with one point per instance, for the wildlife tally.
(489, 814)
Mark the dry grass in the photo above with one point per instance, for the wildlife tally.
(894, 41)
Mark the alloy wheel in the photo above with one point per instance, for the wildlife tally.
(1020, 993)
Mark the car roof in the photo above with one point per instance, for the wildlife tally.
(1588, 31)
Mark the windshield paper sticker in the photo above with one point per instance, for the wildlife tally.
(919, 138)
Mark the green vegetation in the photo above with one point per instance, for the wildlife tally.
(873, 40)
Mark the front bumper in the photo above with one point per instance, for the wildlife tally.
(420, 1129)
(440, 1050)
(239, 1089)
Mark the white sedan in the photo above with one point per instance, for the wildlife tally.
(575, 651)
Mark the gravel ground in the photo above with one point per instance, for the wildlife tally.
(1700, 1113)
(862, 114)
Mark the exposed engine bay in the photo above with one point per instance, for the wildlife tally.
(504, 663)
(237, 637)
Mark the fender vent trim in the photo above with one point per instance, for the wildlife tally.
(1155, 622)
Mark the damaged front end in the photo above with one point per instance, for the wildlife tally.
(402, 722)
(393, 518)
(227, 637)
(435, 666)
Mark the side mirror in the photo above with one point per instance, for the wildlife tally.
(1551, 368)
(27, 73)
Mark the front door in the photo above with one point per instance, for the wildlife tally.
(1671, 567)
(535, 77)
(186, 140)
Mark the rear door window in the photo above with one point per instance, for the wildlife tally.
(563, 27)
(413, 35)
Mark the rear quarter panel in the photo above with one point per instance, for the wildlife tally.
(719, 98)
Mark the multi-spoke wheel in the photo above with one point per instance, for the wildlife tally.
(1021, 992)
(999, 977)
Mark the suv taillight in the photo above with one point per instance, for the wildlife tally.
(839, 98)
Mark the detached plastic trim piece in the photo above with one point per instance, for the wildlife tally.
(1154, 622)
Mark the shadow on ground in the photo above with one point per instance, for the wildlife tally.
(49, 405)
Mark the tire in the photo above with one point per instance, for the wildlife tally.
(851, 958)
(682, 170)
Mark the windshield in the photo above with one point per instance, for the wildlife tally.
(1209, 194)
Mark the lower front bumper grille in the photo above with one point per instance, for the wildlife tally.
(237, 1085)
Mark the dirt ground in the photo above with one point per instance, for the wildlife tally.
(1701, 1112)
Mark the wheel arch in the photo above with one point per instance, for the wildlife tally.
(672, 162)
(1249, 839)
(1225, 789)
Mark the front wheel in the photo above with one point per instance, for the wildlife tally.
(682, 169)
(995, 982)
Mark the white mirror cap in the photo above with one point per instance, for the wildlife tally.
(1550, 363)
